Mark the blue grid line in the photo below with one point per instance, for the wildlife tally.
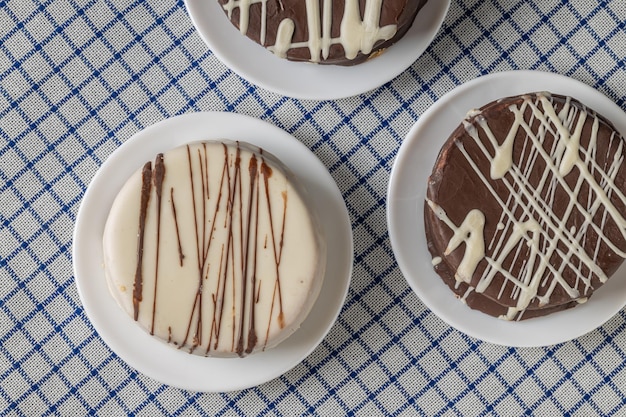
(190, 402)
(525, 39)
(136, 78)
(67, 340)
(550, 354)
(512, 388)
(464, 48)
(533, 376)
(21, 285)
(56, 70)
(411, 402)
(470, 385)
(375, 319)
(355, 111)
(33, 124)
(418, 94)
(330, 389)
(393, 378)
(491, 370)
(587, 398)
(149, 398)
(27, 166)
(505, 53)
(133, 376)
(311, 372)
(308, 117)
(587, 358)
(48, 188)
(94, 112)
(375, 355)
(232, 401)
(63, 247)
(292, 389)
(269, 404)
(344, 160)
(608, 378)
(16, 366)
(113, 392)
(582, 60)
(434, 345)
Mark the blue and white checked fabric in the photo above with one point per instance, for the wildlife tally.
(79, 77)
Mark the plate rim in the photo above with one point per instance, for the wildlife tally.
(517, 334)
(291, 351)
(221, 36)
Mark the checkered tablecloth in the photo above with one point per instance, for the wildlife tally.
(79, 77)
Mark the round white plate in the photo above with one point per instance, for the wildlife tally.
(405, 214)
(304, 80)
(165, 363)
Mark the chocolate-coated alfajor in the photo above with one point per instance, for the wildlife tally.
(341, 32)
(525, 207)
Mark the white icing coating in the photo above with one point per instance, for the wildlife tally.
(232, 259)
(356, 34)
(540, 228)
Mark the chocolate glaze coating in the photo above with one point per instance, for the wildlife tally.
(537, 194)
(400, 13)
(478, 301)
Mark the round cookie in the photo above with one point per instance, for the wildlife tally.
(525, 206)
(341, 32)
(213, 248)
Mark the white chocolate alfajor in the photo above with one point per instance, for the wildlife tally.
(213, 248)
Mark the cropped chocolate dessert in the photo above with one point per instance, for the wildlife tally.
(213, 248)
(341, 32)
(525, 207)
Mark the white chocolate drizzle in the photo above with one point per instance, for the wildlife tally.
(356, 34)
(528, 216)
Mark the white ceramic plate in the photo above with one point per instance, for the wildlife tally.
(165, 363)
(305, 80)
(405, 214)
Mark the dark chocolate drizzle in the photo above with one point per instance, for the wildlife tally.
(200, 251)
(218, 312)
(215, 325)
(252, 338)
(266, 170)
(157, 176)
(252, 170)
(146, 174)
(181, 255)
